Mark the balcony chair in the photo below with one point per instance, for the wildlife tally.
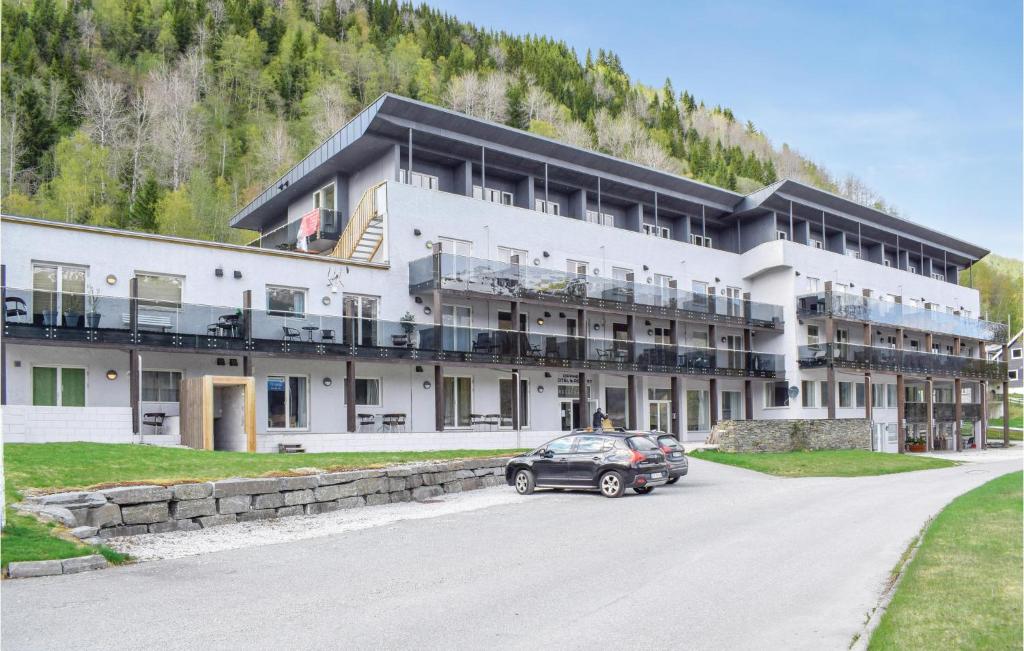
(526, 348)
(551, 347)
(154, 419)
(367, 420)
(327, 336)
(483, 343)
(15, 308)
(290, 334)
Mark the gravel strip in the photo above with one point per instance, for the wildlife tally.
(269, 532)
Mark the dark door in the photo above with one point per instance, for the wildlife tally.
(554, 467)
(587, 458)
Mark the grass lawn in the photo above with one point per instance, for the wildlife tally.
(963, 588)
(89, 465)
(996, 434)
(1016, 414)
(823, 463)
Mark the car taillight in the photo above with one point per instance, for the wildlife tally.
(637, 457)
(666, 449)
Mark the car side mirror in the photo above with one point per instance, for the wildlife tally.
(547, 454)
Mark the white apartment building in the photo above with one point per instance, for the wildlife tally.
(425, 279)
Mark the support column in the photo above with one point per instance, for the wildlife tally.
(516, 398)
(582, 332)
(134, 386)
(247, 369)
(632, 421)
(631, 336)
(830, 335)
(3, 345)
(677, 407)
(439, 405)
(748, 400)
(350, 395)
(584, 405)
(713, 390)
(958, 413)
(982, 437)
(867, 396)
(514, 314)
(930, 413)
(748, 353)
(901, 414)
(435, 298)
(1006, 410)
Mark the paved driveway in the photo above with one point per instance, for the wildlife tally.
(725, 559)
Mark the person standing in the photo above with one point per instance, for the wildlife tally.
(599, 416)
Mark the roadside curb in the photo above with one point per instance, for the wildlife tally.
(74, 565)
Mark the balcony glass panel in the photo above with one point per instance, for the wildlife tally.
(902, 361)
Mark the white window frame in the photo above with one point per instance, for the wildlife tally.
(60, 380)
(282, 313)
(455, 397)
(574, 266)
(701, 240)
(506, 254)
(601, 219)
(816, 337)
(1016, 353)
(1011, 374)
(815, 399)
(769, 394)
(145, 303)
(451, 246)
(547, 206)
(911, 268)
(781, 235)
(886, 263)
(420, 180)
(818, 244)
(181, 376)
(58, 292)
(500, 197)
(654, 230)
(380, 390)
(936, 276)
(287, 388)
(318, 197)
(853, 253)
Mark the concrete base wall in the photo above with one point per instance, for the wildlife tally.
(792, 435)
(31, 424)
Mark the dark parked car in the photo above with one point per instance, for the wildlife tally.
(608, 461)
(675, 455)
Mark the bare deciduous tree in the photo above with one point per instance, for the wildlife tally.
(140, 111)
(102, 105)
(329, 109)
(175, 124)
(481, 96)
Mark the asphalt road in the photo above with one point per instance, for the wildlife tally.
(726, 559)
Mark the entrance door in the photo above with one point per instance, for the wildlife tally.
(734, 296)
(569, 414)
(360, 318)
(615, 405)
(732, 405)
(659, 409)
(457, 334)
(734, 343)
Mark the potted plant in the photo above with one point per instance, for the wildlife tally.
(408, 323)
(916, 444)
(92, 314)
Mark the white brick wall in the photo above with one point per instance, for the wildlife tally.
(398, 441)
(31, 424)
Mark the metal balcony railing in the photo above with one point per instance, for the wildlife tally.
(899, 361)
(286, 237)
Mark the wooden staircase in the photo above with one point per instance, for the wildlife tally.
(363, 237)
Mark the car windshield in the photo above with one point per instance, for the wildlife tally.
(642, 443)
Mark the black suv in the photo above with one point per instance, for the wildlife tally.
(608, 461)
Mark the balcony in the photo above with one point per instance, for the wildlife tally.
(917, 412)
(850, 307)
(490, 279)
(124, 323)
(286, 238)
(871, 358)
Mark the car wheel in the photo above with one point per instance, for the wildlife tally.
(524, 482)
(644, 490)
(673, 480)
(611, 484)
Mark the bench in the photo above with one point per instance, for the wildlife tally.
(149, 320)
(290, 448)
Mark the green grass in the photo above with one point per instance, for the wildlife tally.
(1016, 415)
(824, 463)
(963, 590)
(52, 466)
(996, 434)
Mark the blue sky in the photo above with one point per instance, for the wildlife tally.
(921, 100)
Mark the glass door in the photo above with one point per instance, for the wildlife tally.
(58, 295)
(458, 401)
(615, 405)
(659, 409)
(734, 297)
(732, 405)
(697, 411)
(360, 319)
(457, 334)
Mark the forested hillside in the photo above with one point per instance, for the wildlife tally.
(1000, 281)
(167, 115)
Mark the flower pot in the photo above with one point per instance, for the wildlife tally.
(92, 320)
(917, 447)
(50, 318)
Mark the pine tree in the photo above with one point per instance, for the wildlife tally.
(142, 213)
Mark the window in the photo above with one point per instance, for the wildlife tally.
(160, 290)
(818, 244)
(1016, 353)
(776, 394)
(1012, 375)
(58, 291)
(812, 335)
(360, 315)
(851, 394)
(810, 395)
(701, 240)
(698, 410)
(781, 235)
(912, 269)
(506, 401)
(603, 218)
(324, 198)
(853, 253)
(732, 405)
(58, 386)
(936, 276)
(699, 339)
(622, 275)
(286, 301)
(453, 246)
(492, 195)
(813, 284)
(458, 401)
(287, 402)
(878, 396)
(592, 444)
(577, 267)
(160, 386)
(858, 394)
(562, 445)
(657, 231)
(368, 392)
(421, 180)
(886, 262)
(549, 207)
(512, 256)
(890, 395)
(457, 334)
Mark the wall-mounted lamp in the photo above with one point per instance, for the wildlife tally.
(417, 232)
(426, 384)
(219, 272)
(429, 244)
(419, 369)
(597, 272)
(111, 279)
(798, 273)
(418, 300)
(650, 332)
(547, 373)
(547, 315)
(540, 389)
(111, 375)
(546, 254)
(646, 268)
(426, 309)
(717, 279)
(723, 340)
(597, 326)
(647, 322)
(328, 381)
(536, 262)
(561, 315)
(326, 300)
(540, 321)
(237, 274)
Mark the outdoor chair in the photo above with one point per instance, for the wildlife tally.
(154, 419)
(290, 334)
(367, 420)
(15, 307)
(327, 336)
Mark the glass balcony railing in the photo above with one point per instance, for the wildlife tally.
(859, 308)
(512, 281)
(917, 412)
(899, 361)
(329, 225)
(76, 318)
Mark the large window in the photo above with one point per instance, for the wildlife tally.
(160, 386)
(494, 196)
(602, 218)
(550, 207)
(160, 290)
(809, 391)
(458, 401)
(458, 334)
(659, 409)
(510, 255)
(657, 231)
(421, 180)
(615, 405)
(287, 402)
(698, 411)
(57, 386)
(360, 320)
(776, 394)
(368, 392)
(732, 405)
(325, 198)
(851, 394)
(506, 401)
(286, 301)
(58, 294)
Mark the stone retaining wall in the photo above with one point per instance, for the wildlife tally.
(792, 435)
(134, 510)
